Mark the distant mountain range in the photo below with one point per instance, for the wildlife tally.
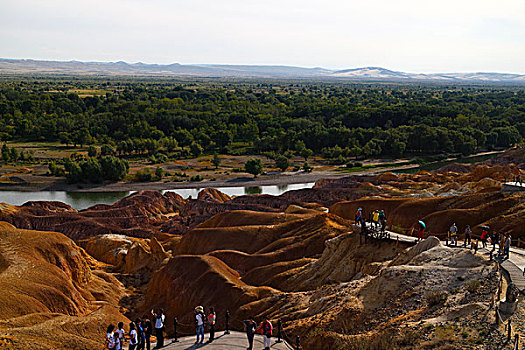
(17, 66)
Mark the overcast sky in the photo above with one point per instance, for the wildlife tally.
(408, 35)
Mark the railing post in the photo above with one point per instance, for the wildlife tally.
(298, 343)
(516, 341)
(279, 328)
(227, 331)
(175, 323)
(509, 331)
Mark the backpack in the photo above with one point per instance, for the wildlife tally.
(267, 329)
(211, 319)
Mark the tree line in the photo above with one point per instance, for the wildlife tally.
(336, 121)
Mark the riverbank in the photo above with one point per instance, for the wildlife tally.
(27, 183)
(35, 183)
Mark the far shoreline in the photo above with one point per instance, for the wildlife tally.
(33, 183)
(280, 179)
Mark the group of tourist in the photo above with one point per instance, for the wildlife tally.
(138, 337)
(201, 321)
(501, 239)
(376, 219)
(141, 331)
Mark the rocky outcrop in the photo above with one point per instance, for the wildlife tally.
(213, 195)
(188, 280)
(51, 295)
(127, 254)
(139, 215)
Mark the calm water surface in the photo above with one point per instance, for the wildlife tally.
(83, 200)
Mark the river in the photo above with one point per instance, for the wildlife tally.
(83, 200)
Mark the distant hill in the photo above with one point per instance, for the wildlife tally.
(16, 66)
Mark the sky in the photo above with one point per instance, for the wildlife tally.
(425, 36)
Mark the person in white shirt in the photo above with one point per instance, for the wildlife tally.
(133, 337)
(159, 327)
(119, 336)
(199, 320)
(110, 338)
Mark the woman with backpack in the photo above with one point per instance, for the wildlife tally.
(211, 322)
(266, 329)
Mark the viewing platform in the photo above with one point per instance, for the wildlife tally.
(234, 340)
(513, 186)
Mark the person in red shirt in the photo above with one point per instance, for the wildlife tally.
(484, 236)
(211, 322)
(266, 329)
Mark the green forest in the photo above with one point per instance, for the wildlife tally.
(334, 120)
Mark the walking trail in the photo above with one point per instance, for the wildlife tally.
(232, 341)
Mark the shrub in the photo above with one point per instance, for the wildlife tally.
(282, 162)
(436, 297)
(143, 175)
(307, 167)
(196, 178)
(397, 229)
(473, 286)
(254, 167)
(159, 173)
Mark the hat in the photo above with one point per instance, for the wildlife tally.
(199, 309)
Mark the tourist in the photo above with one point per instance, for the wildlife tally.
(468, 233)
(364, 229)
(120, 336)
(148, 330)
(159, 327)
(358, 215)
(110, 338)
(475, 246)
(382, 220)
(250, 326)
(375, 219)
(199, 321)
(140, 334)
(211, 322)
(453, 231)
(494, 240)
(506, 249)
(484, 236)
(421, 231)
(266, 329)
(133, 336)
(502, 238)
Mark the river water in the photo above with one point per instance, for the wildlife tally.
(83, 200)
